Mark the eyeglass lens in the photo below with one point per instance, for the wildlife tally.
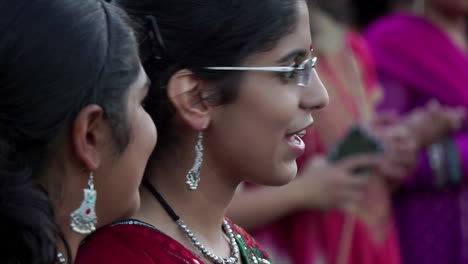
(304, 75)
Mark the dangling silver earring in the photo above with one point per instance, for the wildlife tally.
(84, 218)
(193, 176)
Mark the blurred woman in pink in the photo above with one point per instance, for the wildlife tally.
(422, 55)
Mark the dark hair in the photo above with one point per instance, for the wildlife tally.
(368, 10)
(187, 34)
(342, 12)
(56, 57)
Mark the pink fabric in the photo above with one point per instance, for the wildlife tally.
(366, 60)
(416, 61)
(419, 56)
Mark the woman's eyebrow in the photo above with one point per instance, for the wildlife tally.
(293, 54)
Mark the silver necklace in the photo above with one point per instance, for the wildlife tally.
(60, 258)
(233, 259)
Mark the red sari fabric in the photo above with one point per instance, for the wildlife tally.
(135, 242)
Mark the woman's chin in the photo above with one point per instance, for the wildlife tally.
(283, 175)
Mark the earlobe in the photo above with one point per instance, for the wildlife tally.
(88, 134)
(185, 93)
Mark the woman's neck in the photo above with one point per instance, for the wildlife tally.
(202, 210)
(73, 243)
(72, 240)
(64, 196)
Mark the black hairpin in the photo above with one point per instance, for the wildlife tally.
(153, 40)
(157, 43)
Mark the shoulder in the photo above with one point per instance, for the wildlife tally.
(393, 30)
(120, 243)
(248, 246)
(133, 242)
(389, 32)
(391, 23)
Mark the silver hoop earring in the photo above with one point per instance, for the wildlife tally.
(84, 218)
(193, 176)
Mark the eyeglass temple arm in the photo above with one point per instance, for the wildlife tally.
(275, 69)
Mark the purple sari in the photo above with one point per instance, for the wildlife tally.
(416, 61)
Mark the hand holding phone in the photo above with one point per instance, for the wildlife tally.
(356, 141)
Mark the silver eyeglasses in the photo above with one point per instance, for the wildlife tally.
(302, 72)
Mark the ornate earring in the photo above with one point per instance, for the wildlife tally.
(84, 218)
(193, 176)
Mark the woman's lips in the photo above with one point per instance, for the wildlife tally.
(296, 143)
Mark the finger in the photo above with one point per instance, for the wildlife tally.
(433, 105)
(349, 200)
(397, 167)
(358, 160)
(312, 164)
(461, 110)
(355, 182)
(386, 118)
(401, 150)
(405, 155)
(396, 171)
(349, 208)
(457, 116)
(399, 161)
(398, 137)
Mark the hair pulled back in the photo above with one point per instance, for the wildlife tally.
(187, 34)
(56, 57)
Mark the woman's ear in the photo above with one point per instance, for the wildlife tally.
(184, 92)
(90, 133)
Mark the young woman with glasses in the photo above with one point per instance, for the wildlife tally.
(233, 88)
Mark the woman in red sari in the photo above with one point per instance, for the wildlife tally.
(235, 81)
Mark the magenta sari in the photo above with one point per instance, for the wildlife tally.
(416, 62)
